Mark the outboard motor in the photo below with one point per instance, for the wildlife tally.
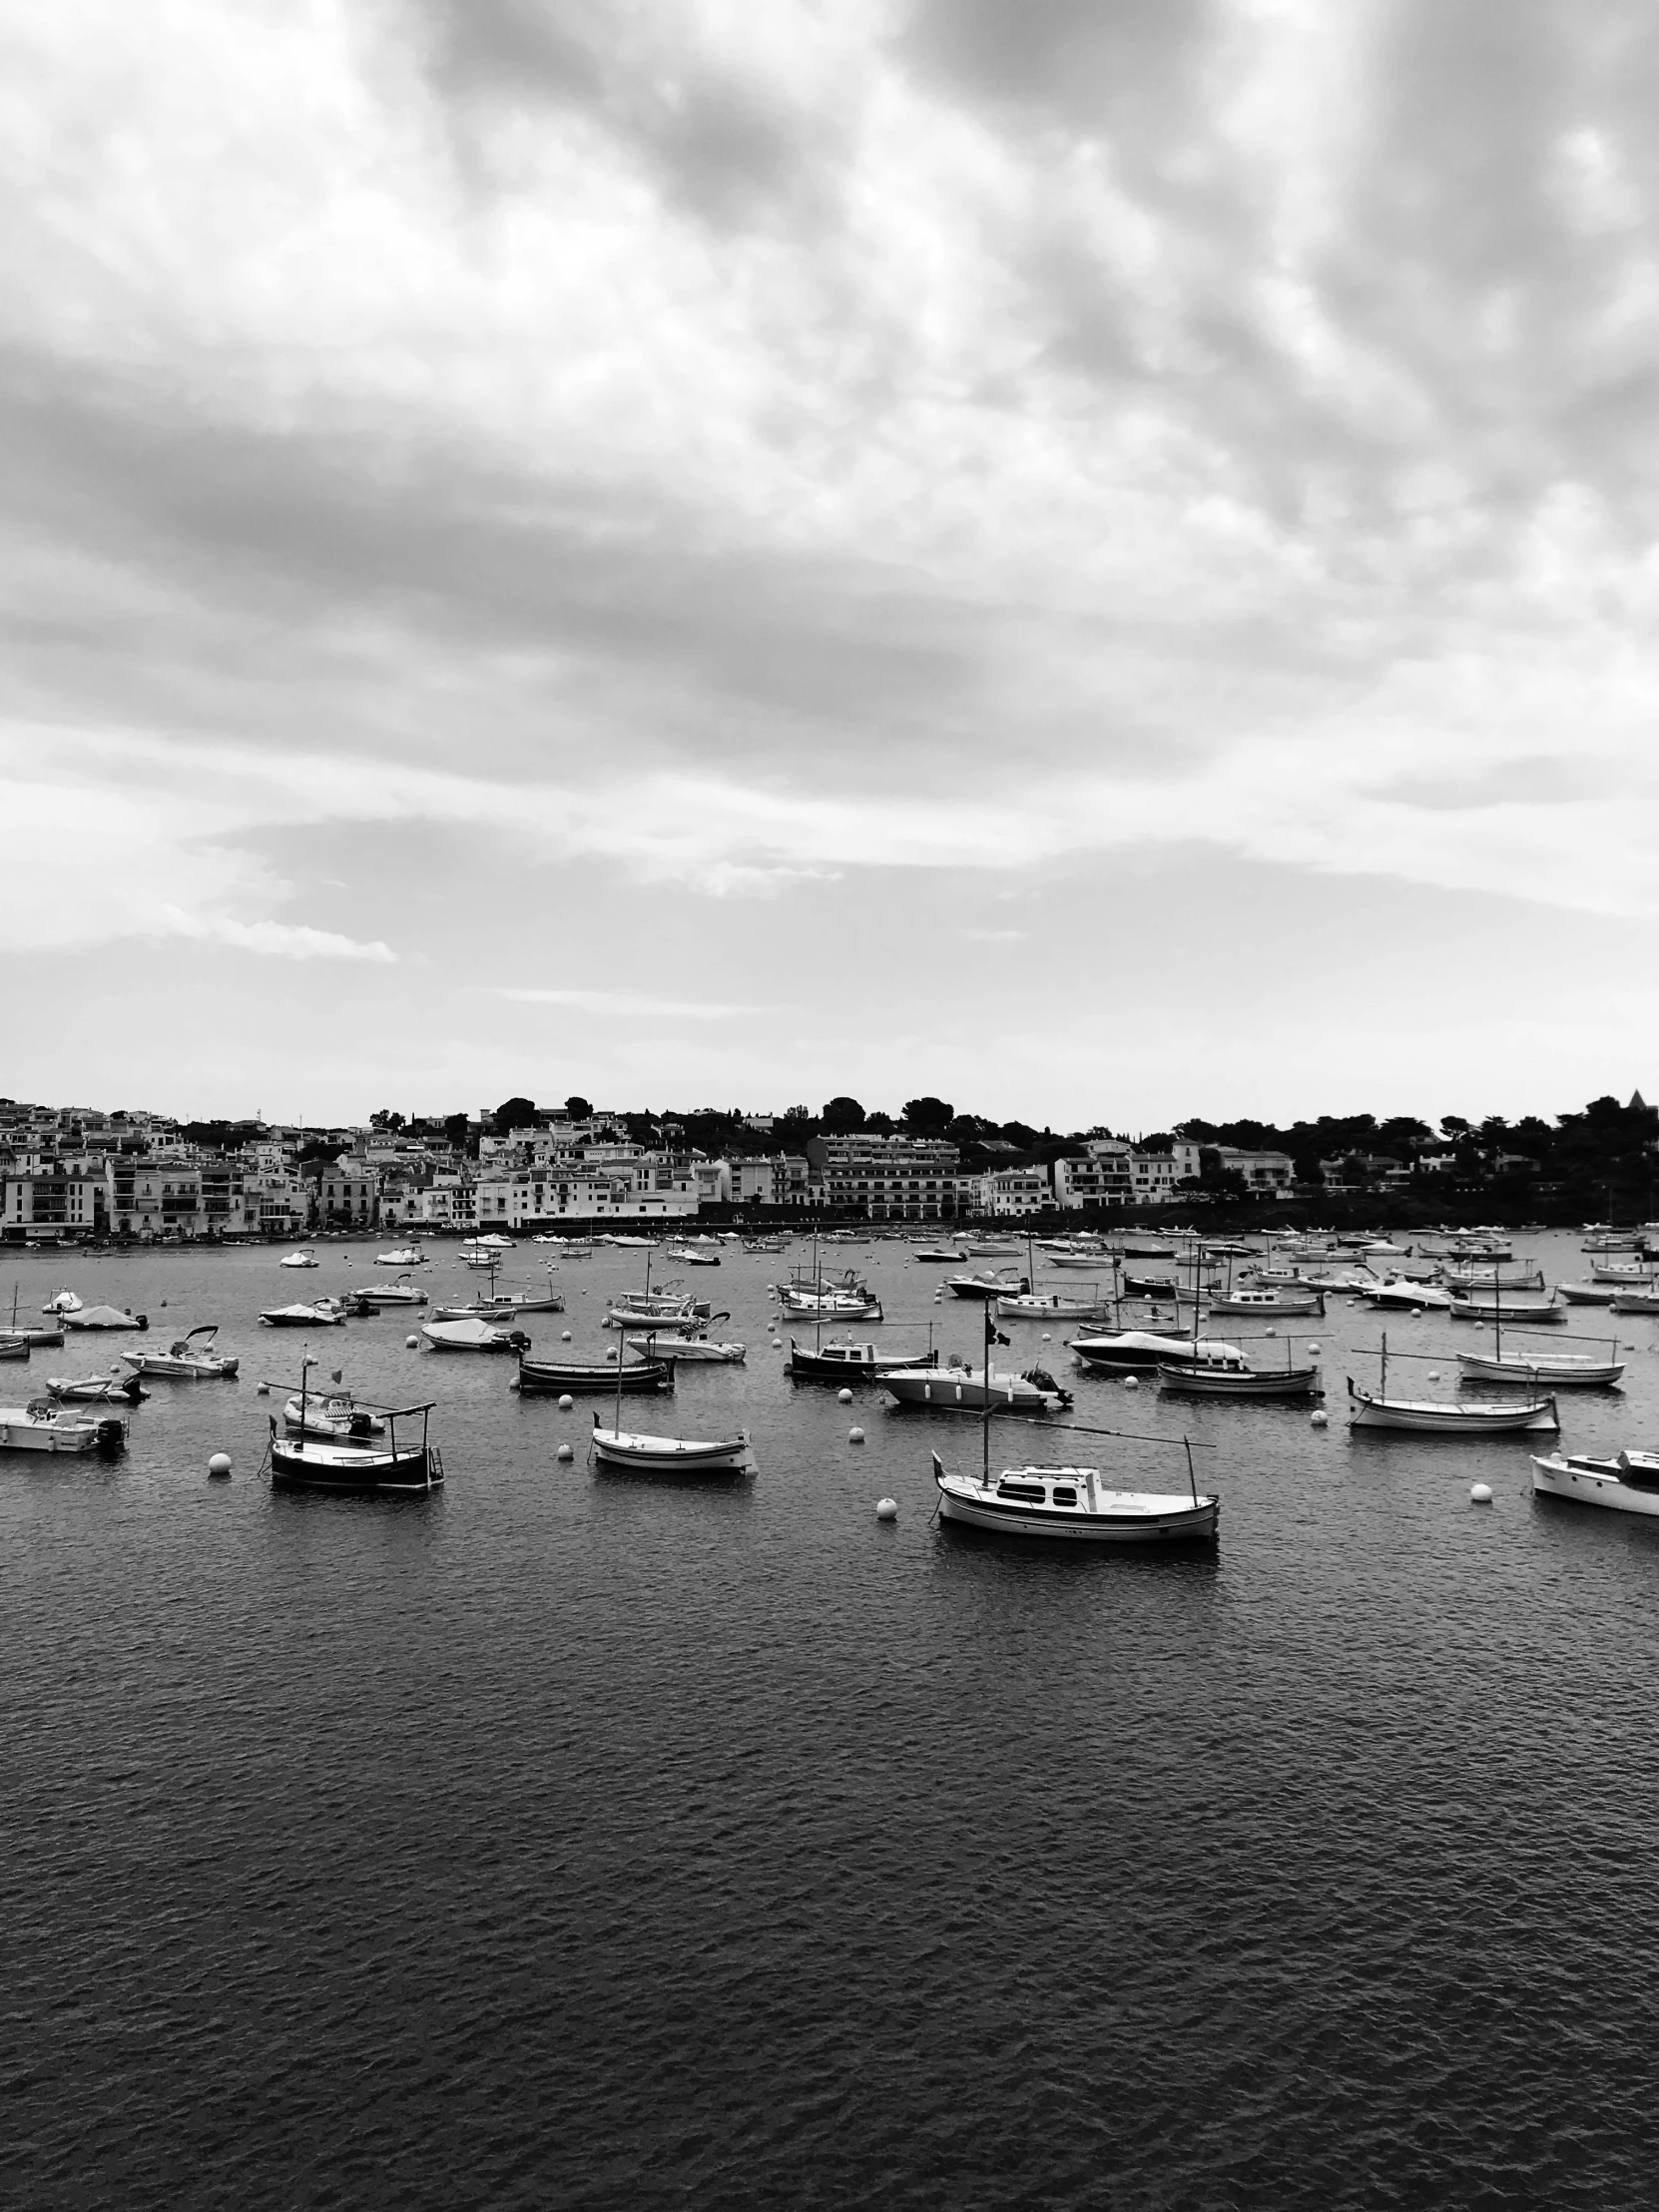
(361, 1427)
(1043, 1380)
(112, 1438)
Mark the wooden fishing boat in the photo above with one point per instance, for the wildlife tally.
(14, 1348)
(1585, 1294)
(307, 1462)
(1500, 1305)
(561, 1378)
(1635, 1301)
(1072, 1504)
(1626, 1483)
(1447, 1418)
(1208, 1379)
(1274, 1298)
(640, 1454)
(1556, 1370)
(851, 1362)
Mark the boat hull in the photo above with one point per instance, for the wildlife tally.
(1426, 1417)
(948, 1391)
(550, 1378)
(298, 1466)
(1000, 1519)
(18, 1433)
(1554, 1374)
(821, 1367)
(1590, 1486)
(669, 1454)
(1217, 1381)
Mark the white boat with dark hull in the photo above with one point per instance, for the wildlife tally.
(307, 1462)
(830, 1305)
(189, 1357)
(965, 1390)
(939, 1257)
(986, 1283)
(1585, 1294)
(1635, 1301)
(1071, 1504)
(43, 1427)
(405, 1255)
(1626, 1483)
(640, 1454)
(1402, 1294)
(1500, 1306)
(300, 1260)
(320, 1312)
(1555, 1371)
(1207, 1378)
(676, 1345)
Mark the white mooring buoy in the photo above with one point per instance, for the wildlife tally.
(564, 1452)
(411, 1344)
(566, 1403)
(1314, 1352)
(262, 1391)
(1480, 1493)
(1319, 1418)
(1433, 1375)
(844, 1398)
(886, 1508)
(1131, 1382)
(220, 1463)
(564, 1336)
(855, 1436)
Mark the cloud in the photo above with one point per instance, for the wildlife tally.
(621, 1002)
(281, 941)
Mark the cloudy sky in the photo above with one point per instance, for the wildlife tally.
(1095, 557)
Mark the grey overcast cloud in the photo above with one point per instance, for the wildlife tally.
(1095, 557)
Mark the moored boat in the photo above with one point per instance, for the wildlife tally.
(677, 1344)
(43, 1427)
(1277, 1298)
(300, 1260)
(118, 1387)
(557, 1377)
(471, 1336)
(307, 1462)
(1209, 1379)
(400, 1292)
(1446, 1418)
(187, 1358)
(97, 1318)
(319, 1313)
(1073, 1504)
(642, 1454)
(332, 1414)
(965, 1390)
(1626, 1483)
(1128, 1350)
(1558, 1371)
(851, 1362)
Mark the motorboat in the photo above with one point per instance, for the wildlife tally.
(43, 1427)
(1496, 1279)
(1131, 1351)
(986, 1283)
(105, 1317)
(300, 1260)
(118, 1387)
(1558, 1371)
(332, 1414)
(1275, 1298)
(678, 1345)
(963, 1390)
(559, 1378)
(621, 1447)
(1628, 1482)
(1622, 1272)
(308, 1462)
(1585, 1294)
(321, 1313)
(62, 1302)
(1635, 1301)
(937, 1255)
(471, 1336)
(1211, 1379)
(1073, 1504)
(830, 1305)
(1448, 1417)
(1397, 1292)
(405, 1255)
(400, 1293)
(851, 1362)
(191, 1356)
(655, 1313)
(691, 1255)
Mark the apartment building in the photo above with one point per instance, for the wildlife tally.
(886, 1178)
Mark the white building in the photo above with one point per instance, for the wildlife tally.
(1011, 1191)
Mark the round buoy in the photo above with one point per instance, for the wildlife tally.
(1314, 1350)
(1481, 1324)
(777, 1344)
(844, 1398)
(264, 1391)
(1433, 1375)
(411, 1344)
(566, 1403)
(1480, 1493)
(164, 1305)
(886, 1508)
(855, 1436)
(1272, 1332)
(1131, 1382)
(1320, 1418)
(564, 1336)
(1048, 1335)
(220, 1463)
(564, 1452)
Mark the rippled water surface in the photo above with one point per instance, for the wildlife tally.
(581, 1840)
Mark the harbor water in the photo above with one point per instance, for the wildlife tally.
(578, 1839)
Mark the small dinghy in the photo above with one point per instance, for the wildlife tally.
(300, 1260)
(621, 1447)
(62, 1302)
(472, 1335)
(405, 1255)
(42, 1427)
(321, 1313)
(189, 1357)
(1072, 1504)
(1627, 1484)
(116, 1388)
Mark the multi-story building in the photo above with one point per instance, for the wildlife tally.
(1101, 1178)
(347, 1195)
(887, 1178)
(70, 1200)
(1009, 1190)
(1263, 1172)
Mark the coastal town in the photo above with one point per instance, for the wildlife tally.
(77, 1174)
